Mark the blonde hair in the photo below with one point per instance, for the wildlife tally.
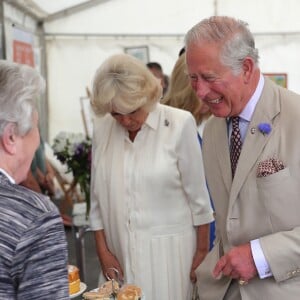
(181, 94)
(124, 84)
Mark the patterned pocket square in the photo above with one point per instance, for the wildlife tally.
(269, 167)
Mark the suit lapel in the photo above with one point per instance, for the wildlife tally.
(220, 135)
(266, 110)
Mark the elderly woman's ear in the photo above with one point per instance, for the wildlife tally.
(9, 138)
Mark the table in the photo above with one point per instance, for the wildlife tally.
(80, 227)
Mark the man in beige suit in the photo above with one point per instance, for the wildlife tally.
(256, 255)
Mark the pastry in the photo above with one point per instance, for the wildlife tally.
(104, 292)
(96, 296)
(109, 287)
(74, 280)
(129, 292)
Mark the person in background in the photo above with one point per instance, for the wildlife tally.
(181, 51)
(149, 204)
(33, 249)
(41, 175)
(251, 157)
(43, 171)
(40, 178)
(181, 95)
(166, 83)
(157, 71)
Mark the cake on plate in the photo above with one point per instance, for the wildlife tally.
(74, 279)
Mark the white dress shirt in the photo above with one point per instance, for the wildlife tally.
(7, 175)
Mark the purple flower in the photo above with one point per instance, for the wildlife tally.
(79, 148)
(264, 128)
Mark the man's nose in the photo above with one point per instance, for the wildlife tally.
(201, 87)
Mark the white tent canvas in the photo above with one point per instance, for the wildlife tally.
(78, 42)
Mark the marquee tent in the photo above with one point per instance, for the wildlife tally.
(69, 39)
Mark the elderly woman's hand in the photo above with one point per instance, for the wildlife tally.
(202, 249)
(197, 259)
(107, 259)
(108, 263)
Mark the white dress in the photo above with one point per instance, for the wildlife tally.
(147, 196)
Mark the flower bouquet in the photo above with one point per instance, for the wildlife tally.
(75, 151)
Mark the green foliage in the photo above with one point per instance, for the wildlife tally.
(75, 151)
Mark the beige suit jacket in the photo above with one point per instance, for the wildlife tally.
(249, 207)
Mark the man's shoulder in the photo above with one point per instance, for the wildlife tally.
(290, 100)
(286, 97)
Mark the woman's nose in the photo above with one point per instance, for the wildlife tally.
(125, 120)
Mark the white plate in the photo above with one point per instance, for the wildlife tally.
(97, 289)
(82, 289)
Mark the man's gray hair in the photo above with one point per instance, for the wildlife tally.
(234, 37)
(20, 88)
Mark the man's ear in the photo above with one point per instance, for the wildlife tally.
(9, 138)
(248, 68)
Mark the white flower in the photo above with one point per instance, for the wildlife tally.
(60, 142)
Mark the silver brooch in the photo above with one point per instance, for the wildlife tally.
(253, 130)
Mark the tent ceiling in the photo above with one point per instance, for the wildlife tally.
(45, 10)
(50, 6)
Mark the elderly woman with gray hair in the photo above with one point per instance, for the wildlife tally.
(149, 211)
(33, 249)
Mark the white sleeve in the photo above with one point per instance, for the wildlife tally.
(191, 169)
(260, 261)
(95, 218)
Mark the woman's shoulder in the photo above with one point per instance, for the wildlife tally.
(177, 119)
(102, 120)
(176, 113)
(102, 124)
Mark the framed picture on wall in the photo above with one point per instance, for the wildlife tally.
(279, 78)
(140, 52)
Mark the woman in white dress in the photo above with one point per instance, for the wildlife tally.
(150, 208)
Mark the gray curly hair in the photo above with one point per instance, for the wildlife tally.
(21, 86)
(238, 41)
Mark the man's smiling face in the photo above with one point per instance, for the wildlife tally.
(223, 91)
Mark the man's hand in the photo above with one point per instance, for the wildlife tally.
(238, 263)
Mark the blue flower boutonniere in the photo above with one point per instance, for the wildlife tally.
(264, 128)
